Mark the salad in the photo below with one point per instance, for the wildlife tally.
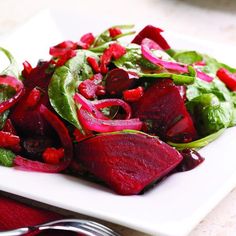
(125, 115)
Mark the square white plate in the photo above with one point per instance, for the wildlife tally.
(173, 207)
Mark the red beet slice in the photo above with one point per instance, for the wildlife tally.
(118, 80)
(26, 119)
(127, 162)
(152, 33)
(163, 105)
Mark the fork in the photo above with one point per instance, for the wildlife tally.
(84, 227)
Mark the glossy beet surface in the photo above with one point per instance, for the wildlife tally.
(164, 111)
(191, 159)
(123, 161)
(152, 33)
(118, 80)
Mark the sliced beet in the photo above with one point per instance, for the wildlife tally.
(163, 106)
(127, 162)
(118, 80)
(152, 33)
(28, 120)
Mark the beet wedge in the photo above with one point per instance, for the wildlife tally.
(163, 106)
(127, 161)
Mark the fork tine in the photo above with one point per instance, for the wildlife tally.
(102, 227)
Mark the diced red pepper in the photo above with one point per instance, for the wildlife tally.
(228, 78)
(63, 51)
(133, 95)
(64, 58)
(67, 44)
(8, 140)
(117, 50)
(62, 48)
(114, 51)
(89, 87)
(33, 98)
(94, 64)
(53, 155)
(86, 41)
(114, 32)
(87, 38)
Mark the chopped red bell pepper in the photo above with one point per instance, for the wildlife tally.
(133, 95)
(86, 41)
(90, 87)
(114, 51)
(64, 58)
(63, 51)
(228, 78)
(94, 64)
(8, 140)
(114, 32)
(52, 155)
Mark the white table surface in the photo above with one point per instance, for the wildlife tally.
(205, 19)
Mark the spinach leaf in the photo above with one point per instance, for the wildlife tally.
(6, 157)
(177, 79)
(133, 60)
(212, 65)
(216, 87)
(197, 144)
(210, 114)
(64, 84)
(188, 57)
(12, 68)
(104, 37)
(7, 92)
(233, 97)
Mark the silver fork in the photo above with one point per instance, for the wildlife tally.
(84, 227)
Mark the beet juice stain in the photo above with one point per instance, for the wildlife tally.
(191, 159)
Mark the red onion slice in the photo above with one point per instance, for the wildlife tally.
(146, 47)
(17, 85)
(98, 125)
(64, 136)
(89, 106)
(114, 102)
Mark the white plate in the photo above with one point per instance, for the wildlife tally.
(174, 207)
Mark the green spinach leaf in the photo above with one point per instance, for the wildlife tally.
(104, 37)
(7, 92)
(6, 157)
(210, 114)
(12, 68)
(197, 144)
(188, 57)
(64, 84)
(133, 60)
